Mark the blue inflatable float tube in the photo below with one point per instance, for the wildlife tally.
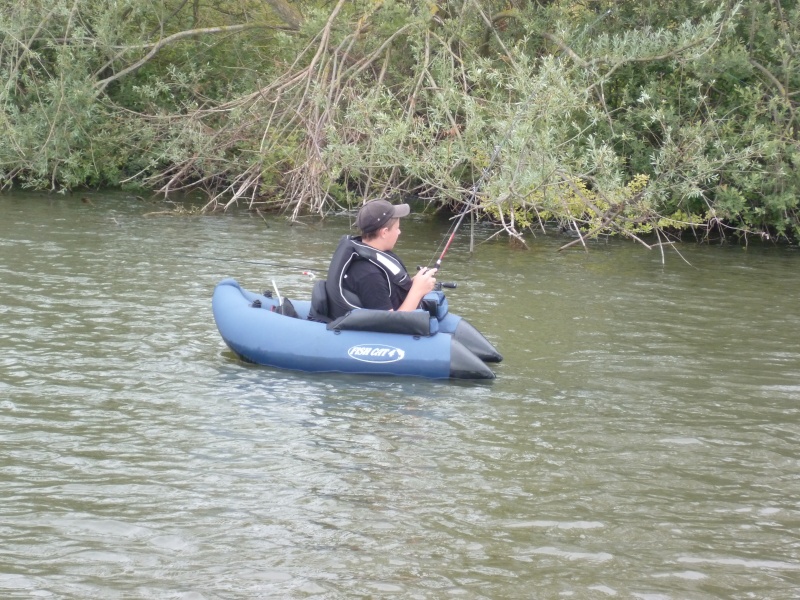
(255, 328)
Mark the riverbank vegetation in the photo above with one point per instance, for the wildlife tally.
(641, 119)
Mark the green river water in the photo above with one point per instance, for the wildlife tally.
(641, 439)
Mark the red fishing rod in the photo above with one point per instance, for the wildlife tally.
(470, 205)
(438, 262)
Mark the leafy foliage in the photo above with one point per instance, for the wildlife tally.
(601, 117)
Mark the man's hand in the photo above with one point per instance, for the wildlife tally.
(424, 280)
(422, 283)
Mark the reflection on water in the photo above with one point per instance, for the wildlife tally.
(641, 440)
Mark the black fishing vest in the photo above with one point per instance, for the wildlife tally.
(340, 299)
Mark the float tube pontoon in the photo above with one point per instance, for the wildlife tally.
(429, 342)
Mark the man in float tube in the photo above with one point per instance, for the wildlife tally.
(365, 273)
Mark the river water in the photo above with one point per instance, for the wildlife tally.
(641, 439)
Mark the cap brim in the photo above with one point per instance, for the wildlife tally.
(401, 210)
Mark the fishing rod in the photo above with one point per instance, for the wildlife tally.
(473, 196)
(472, 203)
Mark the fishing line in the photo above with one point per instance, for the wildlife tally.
(272, 265)
(472, 204)
(236, 260)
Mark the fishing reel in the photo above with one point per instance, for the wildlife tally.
(450, 285)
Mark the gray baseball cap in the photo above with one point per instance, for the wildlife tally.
(376, 213)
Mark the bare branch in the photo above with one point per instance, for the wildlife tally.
(565, 49)
(103, 83)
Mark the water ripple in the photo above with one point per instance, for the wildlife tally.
(641, 439)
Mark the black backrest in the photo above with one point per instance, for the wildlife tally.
(319, 303)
